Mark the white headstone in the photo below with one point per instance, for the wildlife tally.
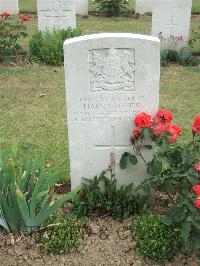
(82, 7)
(144, 6)
(58, 14)
(110, 77)
(171, 21)
(10, 6)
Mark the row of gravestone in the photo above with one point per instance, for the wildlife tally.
(141, 6)
(170, 20)
(12, 6)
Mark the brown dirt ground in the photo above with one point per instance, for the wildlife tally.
(107, 243)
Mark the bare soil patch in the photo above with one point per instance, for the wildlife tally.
(107, 242)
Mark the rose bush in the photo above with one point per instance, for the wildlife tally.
(196, 125)
(159, 129)
(197, 190)
(174, 170)
(11, 30)
(143, 120)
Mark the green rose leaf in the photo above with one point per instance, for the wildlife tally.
(185, 231)
(147, 133)
(196, 224)
(154, 167)
(133, 159)
(148, 147)
(124, 160)
(166, 220)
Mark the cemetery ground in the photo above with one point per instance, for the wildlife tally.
(33, 111)
(98, 24)
(33, 96)
(33, 117)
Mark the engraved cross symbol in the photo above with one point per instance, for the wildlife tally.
(171, 24)
(113, 147)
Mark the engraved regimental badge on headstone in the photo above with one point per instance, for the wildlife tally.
(112, 70)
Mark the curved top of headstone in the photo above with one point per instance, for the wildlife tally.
(111, 35)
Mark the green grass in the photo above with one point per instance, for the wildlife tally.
(37, 124)
(180, 94)
(102, 24)
(195, 6)
(33, 113)
(27, 6)
(30, 6)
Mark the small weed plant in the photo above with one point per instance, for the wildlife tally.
(63, 233)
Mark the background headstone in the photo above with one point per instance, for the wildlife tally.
(10, 6)
(144, 6)
(59, 14)
(82, 7)
(171, 21)
(116, 77)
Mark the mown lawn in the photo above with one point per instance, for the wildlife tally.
(33, 109)
(33, 113)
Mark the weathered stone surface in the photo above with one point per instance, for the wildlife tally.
(171, 21)
(58, 14)
(110, 78)
(144, 6)
(10, 6)
(82, 7)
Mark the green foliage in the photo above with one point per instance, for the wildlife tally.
(182, 57)
(10, 32)
(101, 194)
(156, 240)
(185, 58)
(26, 194)
(127, 157)
(172, 171)
(63, 233)
(47, 47)
(111, 7)
(195, 37)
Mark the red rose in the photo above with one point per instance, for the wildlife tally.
(175, 130)
(197, 168)
(136, 133)
(5, 14)
(163, 116)
(196, 124)
(160, 129)
(197, 190)
(143, 120)
(197, 203)
(25, 18)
